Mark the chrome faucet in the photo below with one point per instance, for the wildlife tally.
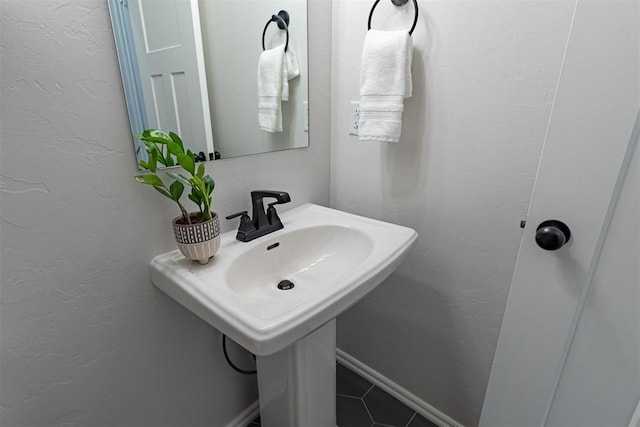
(261, 222)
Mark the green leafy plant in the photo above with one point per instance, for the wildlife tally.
(167, 149)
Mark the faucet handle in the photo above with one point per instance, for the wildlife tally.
(237, 214)
(246, 226)
(272, 215)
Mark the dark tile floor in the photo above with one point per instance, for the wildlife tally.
(361, 404)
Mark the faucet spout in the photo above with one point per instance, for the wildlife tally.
(280, 196)
(260, 219)
(262, 222)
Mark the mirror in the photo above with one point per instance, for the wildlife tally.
(190, 66)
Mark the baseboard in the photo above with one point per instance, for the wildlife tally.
(246, 416)
(412, 401)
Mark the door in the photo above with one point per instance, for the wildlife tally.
(168, 44)
(569, 347)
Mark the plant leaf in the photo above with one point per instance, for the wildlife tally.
(197, 182)
(149, 146)
(152, 149)
(164, 192)
(155, 135)
(169, 161)
(200, 170)
(187, 162)
(149, 179)
(176, 190)
(153, 161)
(196, 192)
(179, 177)
(209, 184)
(174, 148)
(176, 139)
(154, 140)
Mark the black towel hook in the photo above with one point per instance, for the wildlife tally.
(396, 3)
(282, 19)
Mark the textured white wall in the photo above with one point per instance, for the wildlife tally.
(86, 339)
(484, 78)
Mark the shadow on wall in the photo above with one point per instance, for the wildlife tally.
(405, 164)
(390, 318)
(406, 161)
(403, 161)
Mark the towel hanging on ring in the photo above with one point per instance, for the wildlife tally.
(385, 80)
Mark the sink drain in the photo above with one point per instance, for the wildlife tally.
(285, 285)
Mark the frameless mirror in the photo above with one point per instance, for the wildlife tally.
(190, 66)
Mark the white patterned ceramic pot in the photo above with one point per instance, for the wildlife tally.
(199, 241)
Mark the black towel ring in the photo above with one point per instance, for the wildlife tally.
(397, 3)
(282, 19)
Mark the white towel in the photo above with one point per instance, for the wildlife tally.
(270, 77)
(385, 80)
(291, 70)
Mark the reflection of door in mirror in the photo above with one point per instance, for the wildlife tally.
(168, 48)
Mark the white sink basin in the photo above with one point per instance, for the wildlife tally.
(332, 258)
(311, 258)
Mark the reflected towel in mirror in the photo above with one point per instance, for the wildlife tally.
(291, 70)
(270, 78)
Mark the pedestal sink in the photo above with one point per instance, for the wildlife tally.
(278, 296)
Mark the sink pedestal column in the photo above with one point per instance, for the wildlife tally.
(297, 385)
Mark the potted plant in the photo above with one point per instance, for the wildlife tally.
(197, 233)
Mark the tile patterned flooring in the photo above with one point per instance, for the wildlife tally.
(361, 404)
